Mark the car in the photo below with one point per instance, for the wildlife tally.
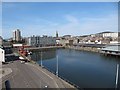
(22, 62)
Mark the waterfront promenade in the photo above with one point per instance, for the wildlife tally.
(29, 75)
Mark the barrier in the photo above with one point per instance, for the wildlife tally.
(66, 80)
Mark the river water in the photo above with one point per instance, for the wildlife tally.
(85, 69)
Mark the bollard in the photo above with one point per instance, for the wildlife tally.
(7, 85)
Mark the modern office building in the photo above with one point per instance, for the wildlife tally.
(41, 41)
(17, 35)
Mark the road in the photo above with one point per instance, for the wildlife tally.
(28, 75)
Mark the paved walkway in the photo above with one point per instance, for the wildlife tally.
(4, 72)
(32, 76)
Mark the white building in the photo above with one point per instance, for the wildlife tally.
(114, 42)
(110, 34)
(2, 55)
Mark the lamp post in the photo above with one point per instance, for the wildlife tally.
(41, 59)
(117, 74)
(57, 65)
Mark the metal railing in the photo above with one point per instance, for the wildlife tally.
(66, 80)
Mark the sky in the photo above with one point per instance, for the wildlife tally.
(45, 18)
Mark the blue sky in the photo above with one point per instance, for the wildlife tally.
(44, 18)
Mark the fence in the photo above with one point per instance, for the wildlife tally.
(76, 86)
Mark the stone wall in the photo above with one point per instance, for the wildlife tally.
(92, 49)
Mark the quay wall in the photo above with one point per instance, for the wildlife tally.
(44, 48)
(91, 49)
(94, 49)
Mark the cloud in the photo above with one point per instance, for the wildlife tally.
(77, 26)
(93, 25)
(74, 25)
(71, 19)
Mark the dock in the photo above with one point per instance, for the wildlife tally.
(111, 50)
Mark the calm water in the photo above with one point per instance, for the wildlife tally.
(85, 69)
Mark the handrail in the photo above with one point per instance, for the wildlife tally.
(61, 77)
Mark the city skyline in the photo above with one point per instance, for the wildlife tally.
(67, 18)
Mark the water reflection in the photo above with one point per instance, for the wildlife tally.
(49, 54)
(85, 69)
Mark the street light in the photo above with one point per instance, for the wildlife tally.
(116, 86)
(57, 65)
(41, 59)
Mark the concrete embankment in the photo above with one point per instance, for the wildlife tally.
(91, 49)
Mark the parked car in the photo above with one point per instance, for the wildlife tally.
(22, 62)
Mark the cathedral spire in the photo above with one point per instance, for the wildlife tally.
(57, 34)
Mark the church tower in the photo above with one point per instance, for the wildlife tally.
(56, 34)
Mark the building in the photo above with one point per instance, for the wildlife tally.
(63, 41)
(110, 34)
(41, 41)
(67, 41)
(111, 50)
(67, 36)
(17, 35)
(2, 55)
(56, 34)
(1, 41)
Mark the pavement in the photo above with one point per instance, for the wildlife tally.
(6, 72)
(29, 75)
